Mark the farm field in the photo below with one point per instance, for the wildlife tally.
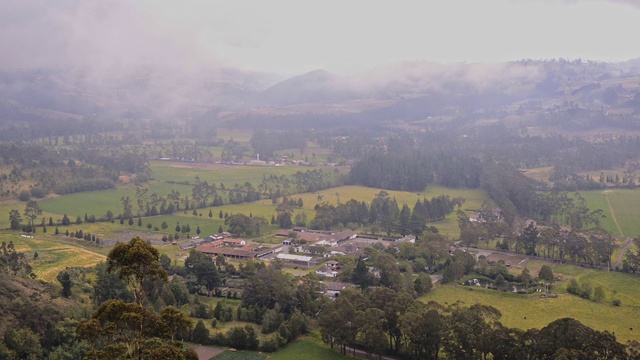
(626, 207)
(539, 174)
(540, 312)
(99, 202)
(55, 253)
(217, 173)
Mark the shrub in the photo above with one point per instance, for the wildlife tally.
(25, 195)
(38, 192)
(616, 302)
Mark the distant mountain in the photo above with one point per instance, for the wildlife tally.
(145, 92)
(318, 86)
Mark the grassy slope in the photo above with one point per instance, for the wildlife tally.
(309, 348)
(540, 312)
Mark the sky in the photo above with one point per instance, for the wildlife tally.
(292, 37)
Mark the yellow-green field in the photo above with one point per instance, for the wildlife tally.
(55, 253)
(539, 312)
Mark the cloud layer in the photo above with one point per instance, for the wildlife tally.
(296, 36)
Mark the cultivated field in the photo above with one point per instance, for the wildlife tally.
(55, 253)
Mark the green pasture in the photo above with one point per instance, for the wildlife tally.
(217, 173)
(309, 348)
(99, 202)
(626, 209)
(539, 312)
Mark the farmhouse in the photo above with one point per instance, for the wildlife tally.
(408, 238)
(333, 289)
(327, 272)
(208, 248)
(296, 260)
(243, 253)
(234, 242)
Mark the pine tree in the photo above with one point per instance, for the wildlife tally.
(210, 213)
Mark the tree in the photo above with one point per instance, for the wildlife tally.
(25, 195)
(204, 269)
(108, 286)
(423, 284)
(200, 334)
(361, 275)
(164, 225)
(139, 221)
(141, 334)
(371, 325)
(32, 211)
(65, 220)
(570, 334)
(598, 294)
(220, 215)
(175, 322)
(210, 213)
(64, 279)
(525, 278)
(15, 219)
(198, 230)
(546, 274)
(529, 238)
(24, 343)
(137, 264)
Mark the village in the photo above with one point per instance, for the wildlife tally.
(301, 249)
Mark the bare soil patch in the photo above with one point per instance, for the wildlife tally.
(511, 260)
(206, 353)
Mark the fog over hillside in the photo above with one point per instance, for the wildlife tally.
(151, 60)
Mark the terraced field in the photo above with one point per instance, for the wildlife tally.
(54, 254)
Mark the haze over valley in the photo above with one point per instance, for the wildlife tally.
(319, 180)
